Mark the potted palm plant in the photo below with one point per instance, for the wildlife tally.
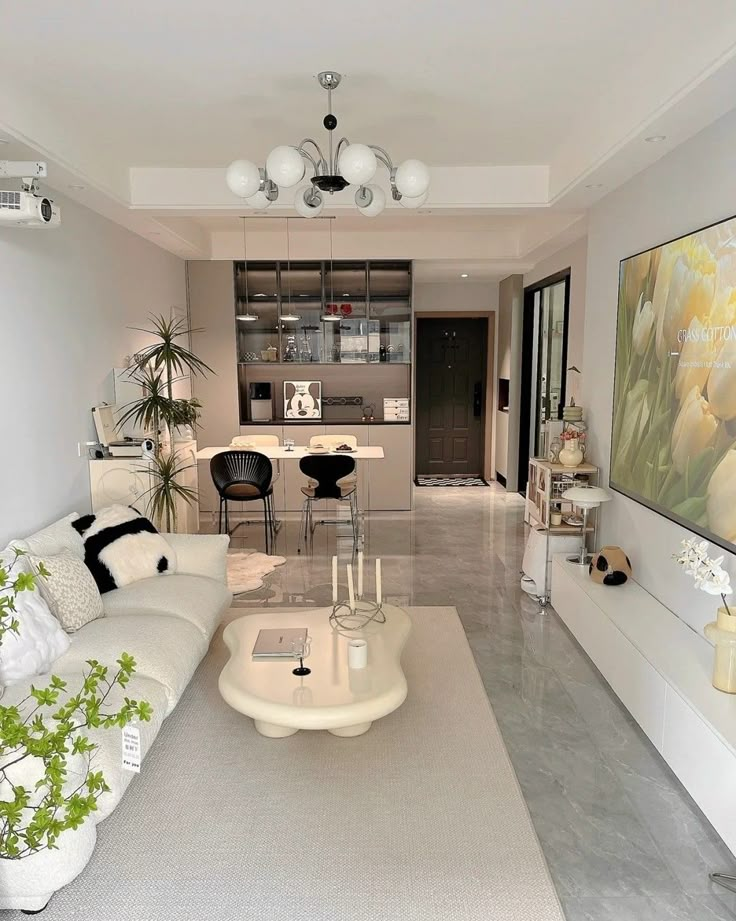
(157, 368)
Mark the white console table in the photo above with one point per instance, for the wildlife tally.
(661, 671)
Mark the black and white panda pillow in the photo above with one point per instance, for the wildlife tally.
(122, 546)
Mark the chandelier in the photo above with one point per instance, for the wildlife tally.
(345, 164)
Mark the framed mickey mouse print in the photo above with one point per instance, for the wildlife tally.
(302, 399)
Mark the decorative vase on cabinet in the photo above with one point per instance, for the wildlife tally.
(571, 455)
(722, 633)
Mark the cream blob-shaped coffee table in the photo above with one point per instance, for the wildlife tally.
(343, 700)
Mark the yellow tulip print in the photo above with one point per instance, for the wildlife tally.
(674, 425)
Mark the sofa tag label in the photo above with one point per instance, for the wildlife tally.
(131, 749)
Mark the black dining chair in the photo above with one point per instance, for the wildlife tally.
(244, 476)
(330, 477)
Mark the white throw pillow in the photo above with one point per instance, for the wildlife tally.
(38, 643)
(54, 539)
(69, 590)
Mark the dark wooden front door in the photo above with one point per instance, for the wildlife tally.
(451, 369)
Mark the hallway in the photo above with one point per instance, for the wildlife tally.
(623, 840)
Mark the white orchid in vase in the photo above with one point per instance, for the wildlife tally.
(708, 573)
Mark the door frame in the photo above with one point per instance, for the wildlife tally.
(527, 351)
(489, 395)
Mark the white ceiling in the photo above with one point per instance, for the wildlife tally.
(518, 107)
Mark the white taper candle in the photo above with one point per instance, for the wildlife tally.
(378, 583)
(334, 579)
(351, 593)
(360, 574)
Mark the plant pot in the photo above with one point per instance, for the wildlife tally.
(722, 633)
(571, 455)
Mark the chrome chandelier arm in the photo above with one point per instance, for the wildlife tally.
(321, 157)
(383, 156)
(340, 143)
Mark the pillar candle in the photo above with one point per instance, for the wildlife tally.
(351, 593)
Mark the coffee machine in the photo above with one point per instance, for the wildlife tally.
(260, 399)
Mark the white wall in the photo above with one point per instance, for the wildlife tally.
(573, 257)
(693, 186)
(68, 296)
(455, 295)
(508, 365)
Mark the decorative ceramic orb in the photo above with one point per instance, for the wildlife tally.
(610, 566)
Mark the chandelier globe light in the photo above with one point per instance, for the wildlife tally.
(371, 200)
(344, 164)
(414, 202)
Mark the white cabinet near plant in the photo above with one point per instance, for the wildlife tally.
(127, 481)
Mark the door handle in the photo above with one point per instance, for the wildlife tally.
(477, 399)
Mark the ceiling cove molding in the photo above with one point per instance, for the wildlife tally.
(460, 187)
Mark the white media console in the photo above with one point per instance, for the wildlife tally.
(661, 670)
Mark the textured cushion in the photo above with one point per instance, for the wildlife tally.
(166, 649)
(201, 554)
(52, 540)
(69, 590)
(122, 546)
(243, 491)
(199, 600)
(38, 643)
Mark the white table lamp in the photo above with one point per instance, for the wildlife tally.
(585, 498)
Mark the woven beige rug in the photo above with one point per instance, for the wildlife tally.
(247, 568)
(420, 819)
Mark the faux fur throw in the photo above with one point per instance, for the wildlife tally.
(121, 546)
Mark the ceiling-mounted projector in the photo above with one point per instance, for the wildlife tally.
(26, 208)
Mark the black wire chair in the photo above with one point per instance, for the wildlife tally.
(327, 480)
(244, 476)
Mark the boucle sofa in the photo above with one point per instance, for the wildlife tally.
(166, 624)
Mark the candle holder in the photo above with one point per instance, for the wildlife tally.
(345, 618)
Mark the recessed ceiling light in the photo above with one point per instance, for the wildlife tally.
(77, 188)
(594, 185)
(464, 275)
(656, 138)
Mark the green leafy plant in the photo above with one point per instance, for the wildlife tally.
(165, 471)
(12, 583)
(156, 368)
(44, 732)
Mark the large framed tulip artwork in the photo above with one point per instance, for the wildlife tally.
(673, 446)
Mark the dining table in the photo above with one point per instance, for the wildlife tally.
(297, 452)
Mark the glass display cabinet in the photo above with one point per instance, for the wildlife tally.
(322, 312)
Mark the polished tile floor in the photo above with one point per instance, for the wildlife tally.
(623, 840)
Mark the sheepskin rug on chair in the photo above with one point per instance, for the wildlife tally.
(246, 569)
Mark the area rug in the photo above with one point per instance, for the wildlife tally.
(420, 819)
(246, 569)
(450, 481)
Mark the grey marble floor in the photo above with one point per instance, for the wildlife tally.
(623, 840)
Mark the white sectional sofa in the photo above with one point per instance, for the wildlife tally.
(166, 624)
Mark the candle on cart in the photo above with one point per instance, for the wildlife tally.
(360, 574)
(378, 583)
(351, 593)
(334, 579)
